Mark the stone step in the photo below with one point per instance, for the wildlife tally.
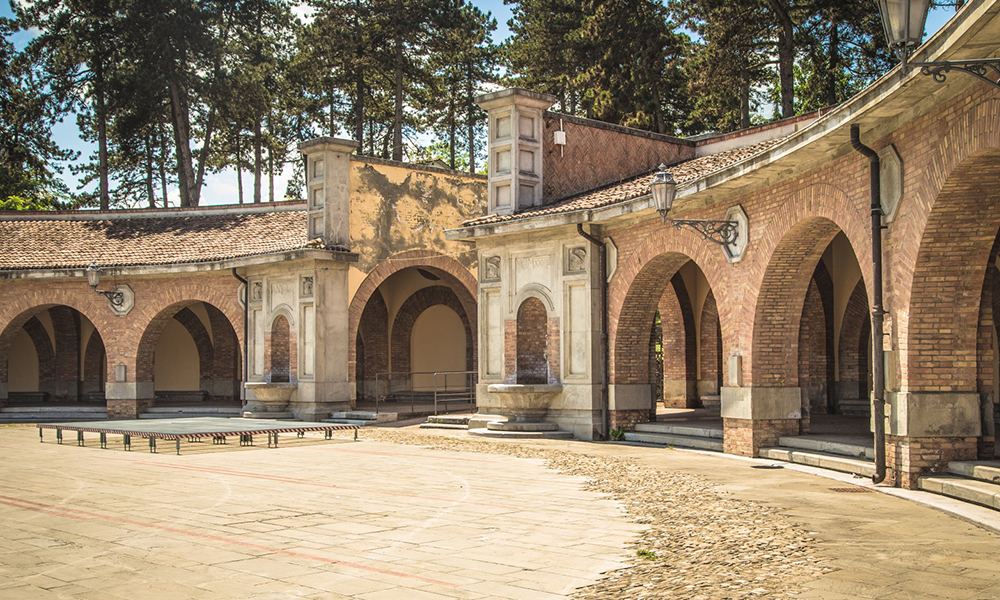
(685, 430)
(822, 460)
(521, 426)
(537, 435)
(962, 488)
(983, 470)
(276, 416)
(449, 419)
(53, 409)
(348, 422)
(51, 417)
(200, 410)
(854, 407)
(365, 415)
(826, 446)
(711, 402)
(682, 441)
(443, 426)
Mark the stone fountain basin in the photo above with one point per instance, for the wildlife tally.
(272, 396)
(524, 402)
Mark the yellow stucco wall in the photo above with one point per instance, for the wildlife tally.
(176, 363)
(23, 365)
(397, 207)
(437, 344)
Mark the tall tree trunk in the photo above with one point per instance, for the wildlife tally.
(239, 166)
(205, 149)
(270, 158)
(397, 119)
(833, 68)
(471, 122)
(150, 195)
(786, 58)
(451, 128)
(257, 160)
(163, 168)
(745, 98)
(182, 143)
(359, 80)
(102, 135)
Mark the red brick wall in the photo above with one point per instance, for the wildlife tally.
(280, 350)
(680, 345)
(710, 347)
(855, 331)
(66, 330)
(202, 341)
(93, 359)
(532, 343)
(599, 153)
(372, 341)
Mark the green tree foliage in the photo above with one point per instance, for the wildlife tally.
(29, 159)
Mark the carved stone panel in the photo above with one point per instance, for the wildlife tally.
(256, 292)
(576, 259)
(282, 294)
(307, 287)
(491, 269)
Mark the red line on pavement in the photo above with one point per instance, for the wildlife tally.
(283, 479)
(62, 511)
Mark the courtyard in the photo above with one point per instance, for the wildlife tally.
(410, 513)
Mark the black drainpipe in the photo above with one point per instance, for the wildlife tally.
(878, 355)
(602, 253)
(246, 357)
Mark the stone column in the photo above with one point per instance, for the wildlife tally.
(926, 430)
(755, 417)
(328, 169)
(127, 399)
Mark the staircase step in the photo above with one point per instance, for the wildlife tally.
(538, 435)
(822, 460)
(683, 441)
(200, 410)
(983, 470)
(962, 488)
(684, 430)
(51, 417)
(803, 442)
(449, 419)
(711, 402)
(359, 422)
(53, 409)
(364, 415)
(520, 426)
(443, 426)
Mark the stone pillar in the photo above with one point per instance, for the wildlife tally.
(927, 430)
(755, 417)
(629, 404)
(3, 394)
(127, 399)
(328, 169)
(515, 148)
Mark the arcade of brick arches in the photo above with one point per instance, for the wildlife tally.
(554, 280)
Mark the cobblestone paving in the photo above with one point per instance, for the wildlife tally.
(700, 543)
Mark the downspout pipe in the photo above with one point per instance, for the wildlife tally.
(246, 313)
(878, 313)
(602, 253)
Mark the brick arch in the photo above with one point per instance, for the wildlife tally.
(816, 364)
(81, 304)
(780, 301)
(452, 273)
(371, 346)
(710, 349)
(855, 328)
(145, 348)
(406, 318)
(680, 345)
(278, 351)
(93, 359)
(43, 349)
(638, 285)
(533, 343)
(948, 279)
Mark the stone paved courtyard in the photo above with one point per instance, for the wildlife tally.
(413, 514)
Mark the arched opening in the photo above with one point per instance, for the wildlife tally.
(673, 371)
(191, 354)
(948, 351)
(810, 329)
(279, 343)
(532, 343)
(52, 355)
(395, 344)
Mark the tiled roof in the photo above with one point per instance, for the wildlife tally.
(634, 187)
(47, 243)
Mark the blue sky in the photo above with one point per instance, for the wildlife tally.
(220, 188)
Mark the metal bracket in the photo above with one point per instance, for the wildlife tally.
(980, 69)
(723, 233)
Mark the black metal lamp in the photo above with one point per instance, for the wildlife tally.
(903, 22)
(115, 297)
(664, 189)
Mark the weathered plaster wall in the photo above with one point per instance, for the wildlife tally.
(437, 344)
(176, 367)
(23, 364)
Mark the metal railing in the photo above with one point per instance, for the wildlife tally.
(391, 387)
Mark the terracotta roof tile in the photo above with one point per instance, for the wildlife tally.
(634, 187)
(75, 243)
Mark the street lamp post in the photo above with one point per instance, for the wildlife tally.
(116, 296)
(903, 22)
